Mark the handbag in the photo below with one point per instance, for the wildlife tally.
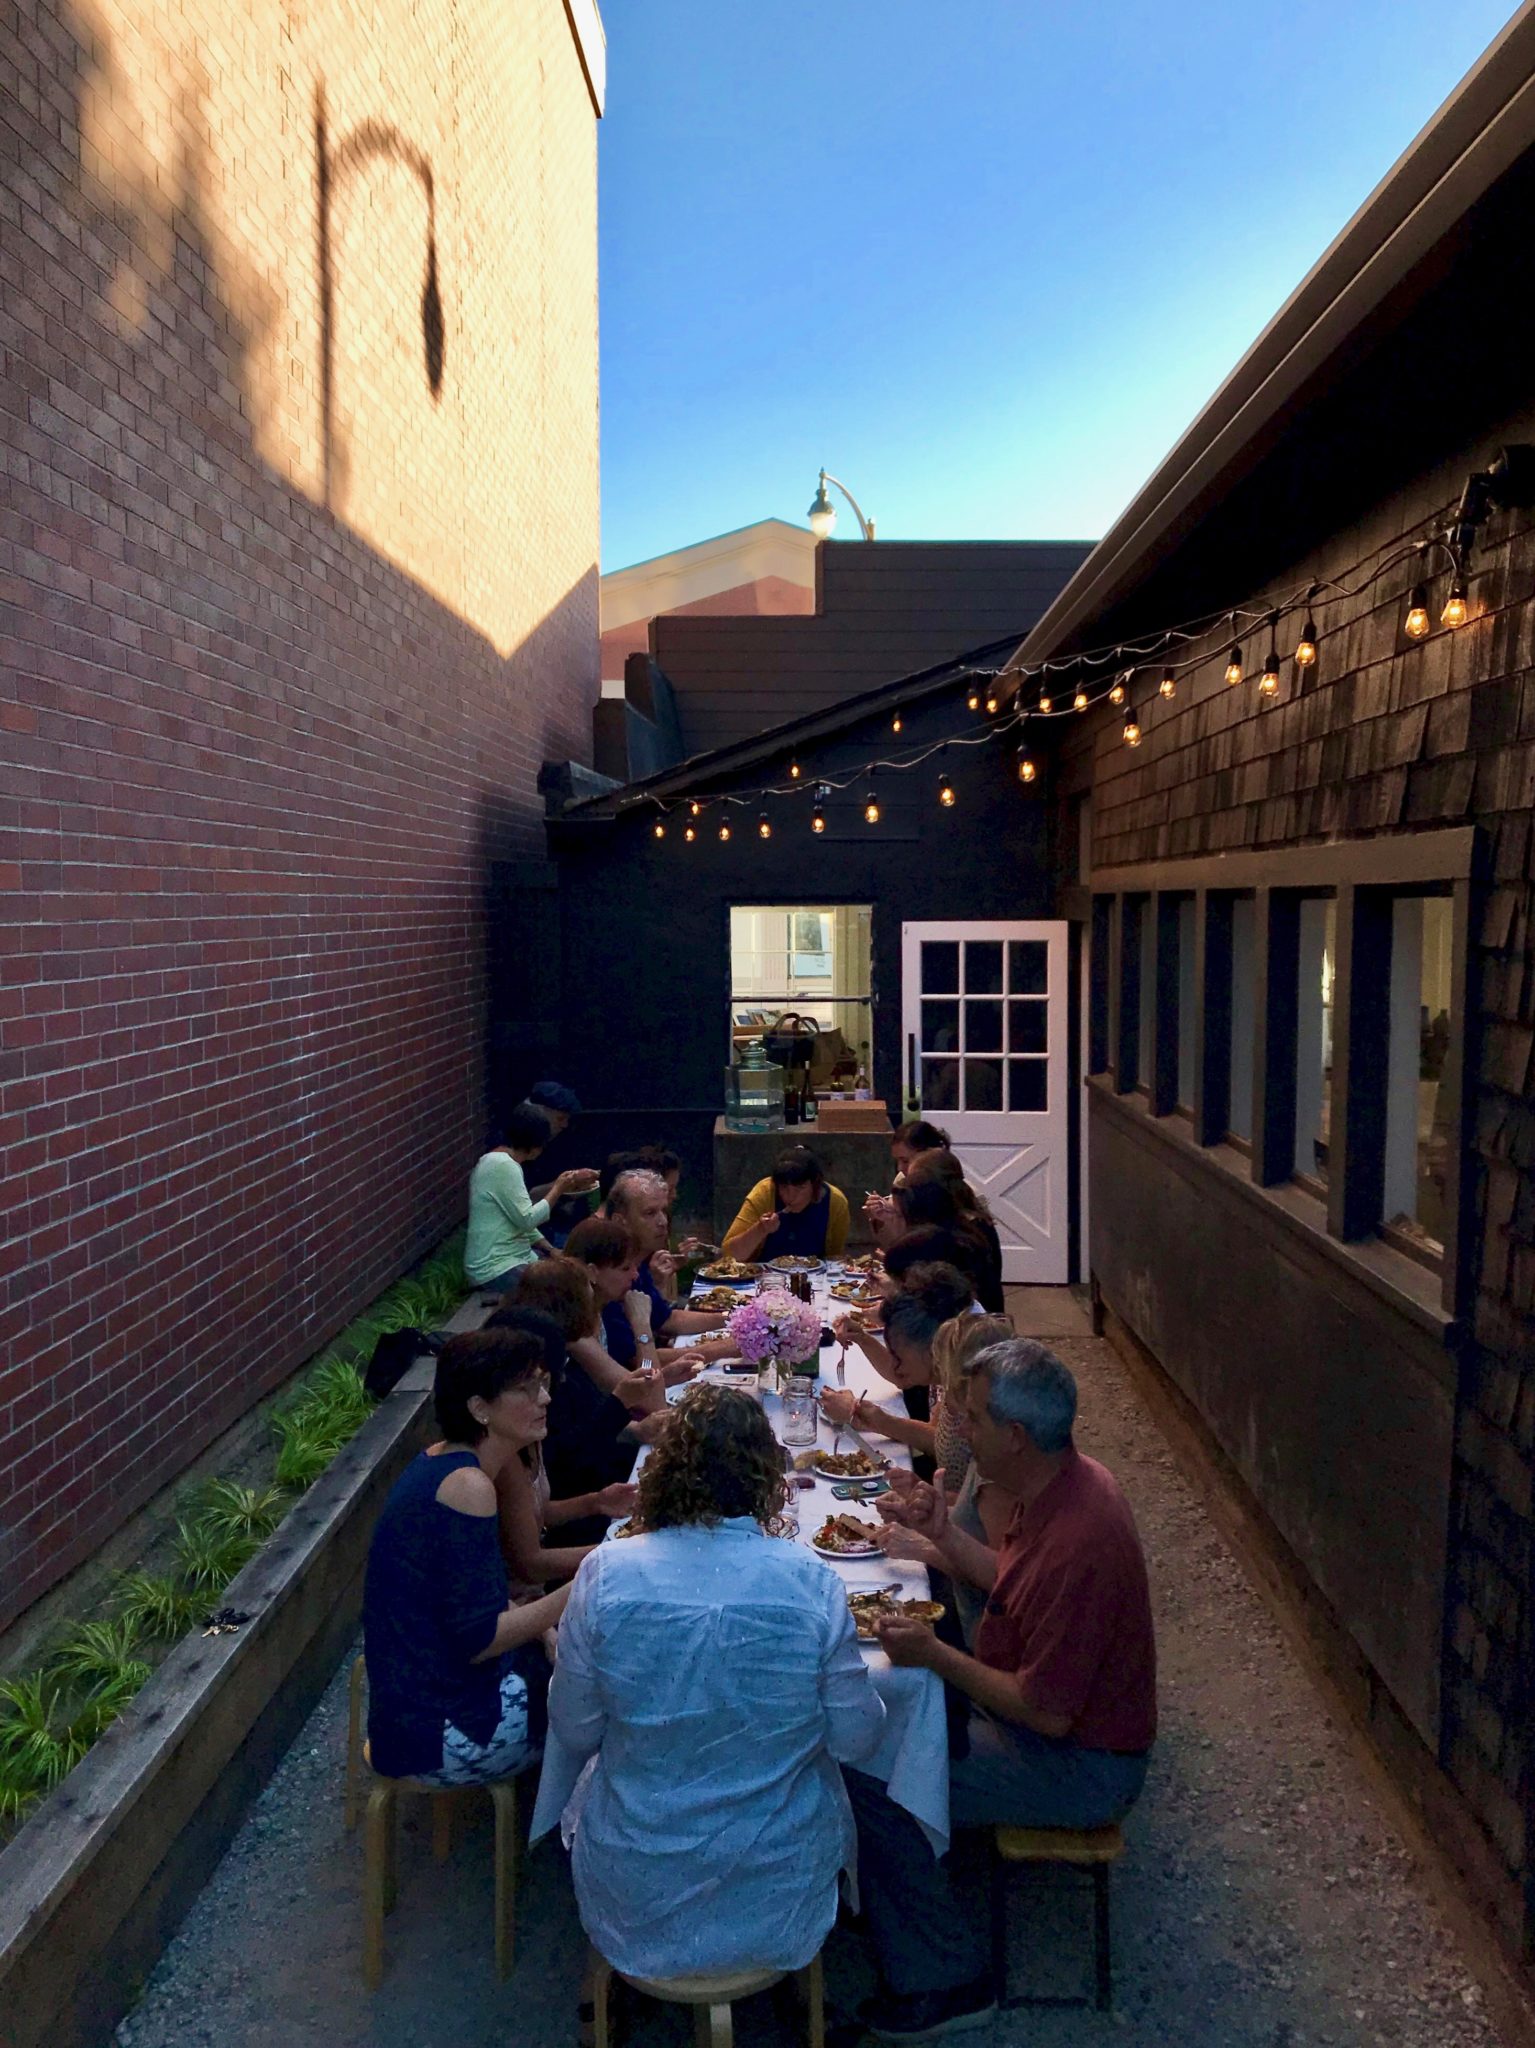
(393, 1356)
(790, 1042)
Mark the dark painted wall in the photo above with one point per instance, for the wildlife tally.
(644, 924)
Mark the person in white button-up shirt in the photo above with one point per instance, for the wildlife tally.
(714, 1672)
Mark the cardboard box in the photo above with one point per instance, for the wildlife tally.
(853, 1116)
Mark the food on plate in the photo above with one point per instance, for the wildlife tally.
(870, 1262)
(846, 1536)
(718, 1301)
(847, 1464)
(730, 1269)
(785, 1525)
(796, 1262)
(804, 1461)
(855, 1292)
(870, 1609)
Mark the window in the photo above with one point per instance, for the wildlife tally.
(1317, 954)
(1418, 1133)
(1239, 1078)
(1323, 1034)
(985, 1016)
(811, 958)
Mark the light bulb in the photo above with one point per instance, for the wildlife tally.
(973, 699)
(991, 703)
(1234, 665)
(724, 832)
(1025, 768)
(946, 793)
(694, 808)
(690, 833)
(1079, 701)
(1044, 701)
(1132, 732)
(1268, 682)
(1305, 647)
(1417, 623)
(1169, 683)
(871, 809)
(1117, 694)
(764, 829)
(794, 771)
(1455, 613)
(895, 723)
(658, 830)
(818, 821)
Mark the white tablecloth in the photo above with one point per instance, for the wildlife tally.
(913, 1759)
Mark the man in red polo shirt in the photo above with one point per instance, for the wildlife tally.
(1062, 1686)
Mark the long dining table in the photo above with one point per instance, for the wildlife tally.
(912, 1759)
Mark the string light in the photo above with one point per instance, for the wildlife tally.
(658, 829)
(1026, 768)
(694, 808)
(764, 828)
(1169, 684)
(1455, 612)
(1234, 665)
(795, 771)
(1044, 702)
(818, 819)
(1268, 682)
(1417, 623)
(724, 832)
(871, 803)
(946, 792)
(992, 701)
(1117, 694)
(973, 698)
(1132, 733)
(690, 833)
(1079, 701)
(895, 723)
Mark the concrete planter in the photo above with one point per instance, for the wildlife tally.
(96, 1882)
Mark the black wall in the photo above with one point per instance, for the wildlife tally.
(645, 924)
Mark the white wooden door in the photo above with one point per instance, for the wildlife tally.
(984, 1014)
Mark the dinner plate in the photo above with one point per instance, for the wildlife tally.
(796, 1262)
(847, 1556)
(819, 1465)
(719, 1279)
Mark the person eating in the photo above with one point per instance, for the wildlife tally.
(714, 1674)
(638, 1200)
(505, 1223)
(794, 1212)
(1061, 1685)
(908, 1142)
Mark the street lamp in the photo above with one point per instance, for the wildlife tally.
(823, 514)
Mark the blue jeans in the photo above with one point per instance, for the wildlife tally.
(923, 1939)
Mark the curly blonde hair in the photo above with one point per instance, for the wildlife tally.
(961, 1339)
(717, 1457)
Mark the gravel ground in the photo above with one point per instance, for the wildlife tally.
(1265, 1901)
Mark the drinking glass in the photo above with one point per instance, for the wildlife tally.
(799, 1410)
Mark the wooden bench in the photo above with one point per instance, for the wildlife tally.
(1094, 1850)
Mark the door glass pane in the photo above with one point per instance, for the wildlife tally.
(983, 1084)
(983, 1027)
(1027, 1022)
(940, 1084)
(1026, 1084)
(1417, 1100)
(983, 967)
(940, 967)
(940, 1027)
(1028, 967)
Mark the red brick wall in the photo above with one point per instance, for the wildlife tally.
(256, 754)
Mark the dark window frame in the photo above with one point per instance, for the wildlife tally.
(1364, 877)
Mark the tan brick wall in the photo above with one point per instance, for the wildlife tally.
(284, 636)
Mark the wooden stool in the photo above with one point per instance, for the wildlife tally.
(356, 1756)
(379, 1858)
(711, 1999)
(1090, 1849)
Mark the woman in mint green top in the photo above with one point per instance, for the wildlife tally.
(504, 1223)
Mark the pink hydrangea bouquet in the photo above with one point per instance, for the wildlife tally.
(776, 1329)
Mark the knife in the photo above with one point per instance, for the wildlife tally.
(866, 1447)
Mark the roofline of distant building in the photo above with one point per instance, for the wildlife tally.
(1481, 130)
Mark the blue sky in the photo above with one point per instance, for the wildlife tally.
(983, 260)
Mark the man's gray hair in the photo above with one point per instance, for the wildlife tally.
(1028, 1384)
(636, 1180)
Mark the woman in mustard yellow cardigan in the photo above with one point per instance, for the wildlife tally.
(796, 1210)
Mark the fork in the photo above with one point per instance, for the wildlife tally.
(836, 1442)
